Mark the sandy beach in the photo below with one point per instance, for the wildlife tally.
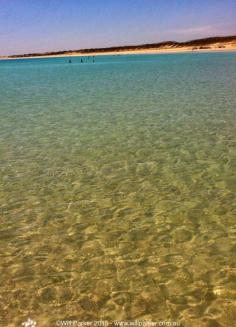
(218, 47)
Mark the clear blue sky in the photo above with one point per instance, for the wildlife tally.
(48, 25)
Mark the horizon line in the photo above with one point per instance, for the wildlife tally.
(193, 42)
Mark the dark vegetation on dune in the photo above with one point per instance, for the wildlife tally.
(194, 44)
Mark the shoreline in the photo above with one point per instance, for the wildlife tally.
(129, 52)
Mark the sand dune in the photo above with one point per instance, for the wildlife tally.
(226, 43)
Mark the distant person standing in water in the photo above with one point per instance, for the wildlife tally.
(81, 61)
(70, 61)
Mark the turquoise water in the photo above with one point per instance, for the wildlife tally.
(118, 189)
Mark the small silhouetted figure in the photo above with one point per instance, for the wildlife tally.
(70, 61)
(93, 59)
(81, 60)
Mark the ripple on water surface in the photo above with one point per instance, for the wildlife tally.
(117, 190)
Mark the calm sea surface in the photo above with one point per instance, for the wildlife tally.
(118, 189)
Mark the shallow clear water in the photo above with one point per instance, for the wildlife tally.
(118, 189)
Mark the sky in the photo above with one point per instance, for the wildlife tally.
(28, 26)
